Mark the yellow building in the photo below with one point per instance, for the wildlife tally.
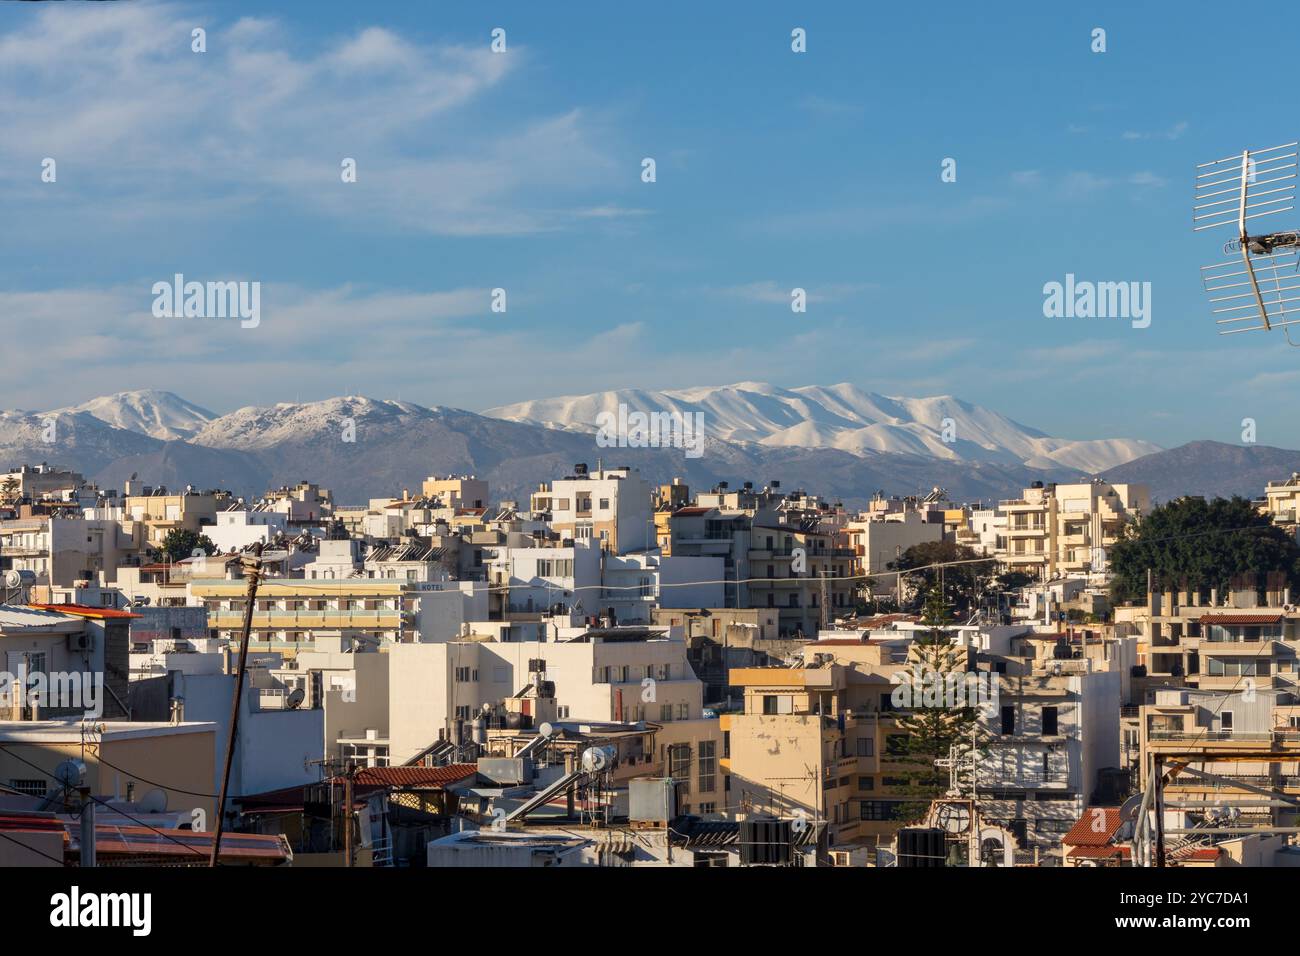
(807, 745)
(291, 612)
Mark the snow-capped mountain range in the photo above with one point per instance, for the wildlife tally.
(840, 440)
(842, 417)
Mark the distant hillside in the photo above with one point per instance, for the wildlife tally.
(1209, 468)
(395, 445)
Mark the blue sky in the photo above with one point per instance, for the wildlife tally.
(521, 170)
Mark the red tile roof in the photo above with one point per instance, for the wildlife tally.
(1201, 854)
(31, 822)
(85, 610)
(1271, 618)
(1093, 830)
(188, 845)
(415, 776)
(691, 511)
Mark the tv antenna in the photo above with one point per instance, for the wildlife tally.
(1249, 290)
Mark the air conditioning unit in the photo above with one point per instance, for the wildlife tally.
(82, 642)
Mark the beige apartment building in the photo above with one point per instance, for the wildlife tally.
(809, 744)
(797, 569)
(1282, 501)
(116, 758)
(291, 612)
(62, 551)
(161, 512)
(1202, 639)
(1058, 529)
(457, 491)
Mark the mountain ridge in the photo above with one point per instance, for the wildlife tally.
(394, 445)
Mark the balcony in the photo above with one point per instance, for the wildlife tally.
(307, 620)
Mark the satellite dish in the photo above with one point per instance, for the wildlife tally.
(296, 697)
(70, 773)
(155, 801)
(546, 730)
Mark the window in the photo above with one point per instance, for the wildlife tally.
(462, 675)
(33, 788)
(683, 711)
(877, 809)
(679, 765)
(604, 504)
(1225, 721)
(866, 747)
(462, 712)
(1008, 720)
(666, 712)
(708, 767)
(1049, 722)
(866, 783)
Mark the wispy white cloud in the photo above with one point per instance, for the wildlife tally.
(1172, 133)
(771, 292)
(110, 90)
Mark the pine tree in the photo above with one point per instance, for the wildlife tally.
(936, 725)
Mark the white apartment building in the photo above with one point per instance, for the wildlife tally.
(532, 580)
(1042, 747)
(238, 528)
(610, 505)
(610, 674)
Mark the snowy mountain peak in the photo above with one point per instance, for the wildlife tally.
(844, 417)
(158, 414)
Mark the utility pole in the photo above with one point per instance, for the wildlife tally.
(1160, 809)
(252, 565)
(87, 828)
(347, 815)
(973, 852)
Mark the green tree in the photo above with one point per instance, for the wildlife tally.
(1201, 544)
(962, 583)
(1013, 580)
(180, 543)
(933, 730)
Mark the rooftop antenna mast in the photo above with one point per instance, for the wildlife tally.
(1249, 290)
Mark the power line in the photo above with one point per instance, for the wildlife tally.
(31, 849)
(164, 786)
(103, 803)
